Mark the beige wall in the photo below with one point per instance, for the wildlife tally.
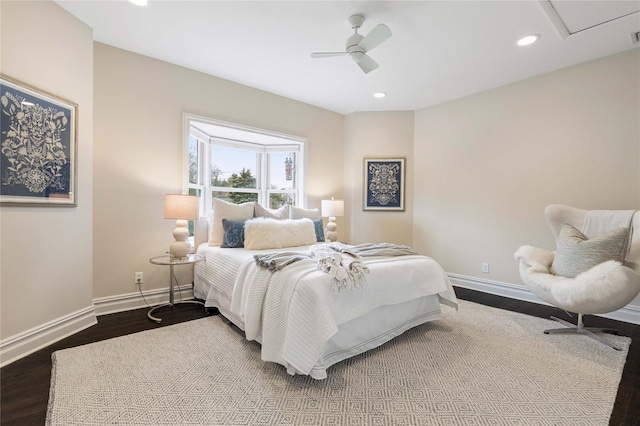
(139, 104)
(479, 170)
(46, 261)
(487, 165)
(377, 134)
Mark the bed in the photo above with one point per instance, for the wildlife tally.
(301, 319)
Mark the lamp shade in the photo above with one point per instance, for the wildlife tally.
(178, 206)
(332, 208)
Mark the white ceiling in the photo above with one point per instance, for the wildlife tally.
(439, 50)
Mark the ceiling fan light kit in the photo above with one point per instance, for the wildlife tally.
(358, 45)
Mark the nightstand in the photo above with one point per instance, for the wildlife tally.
(167, 260)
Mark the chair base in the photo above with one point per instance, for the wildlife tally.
(586, 331)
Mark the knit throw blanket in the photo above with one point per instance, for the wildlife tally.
(341, 261)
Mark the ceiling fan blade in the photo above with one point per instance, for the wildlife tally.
(377, 35)
(327, 54)
(367, 64)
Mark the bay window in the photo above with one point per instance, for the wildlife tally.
(239, 164)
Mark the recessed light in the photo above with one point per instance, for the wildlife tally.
(139, 2)
(379, 95)
(528, 39)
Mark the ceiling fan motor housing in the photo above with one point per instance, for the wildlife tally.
(355, 51)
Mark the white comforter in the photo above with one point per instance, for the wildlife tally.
(294, 312)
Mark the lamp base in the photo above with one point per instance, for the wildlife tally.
(181, 246)
(330, 233)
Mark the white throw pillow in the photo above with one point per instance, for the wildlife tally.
(281, 213)
(225, 210)
(266, 233)
(575, 253)
(300, 213)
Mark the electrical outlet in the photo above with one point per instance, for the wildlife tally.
(485, 268)
(138, 278)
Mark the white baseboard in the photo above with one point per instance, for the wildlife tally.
(130, 301)
(630, 313)
(27, 342)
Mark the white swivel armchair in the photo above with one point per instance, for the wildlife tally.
(606, 285)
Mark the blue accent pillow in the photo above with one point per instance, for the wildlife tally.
(317, 224)
(233, 233)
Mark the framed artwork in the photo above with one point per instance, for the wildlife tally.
(383, 184)
(38, 145)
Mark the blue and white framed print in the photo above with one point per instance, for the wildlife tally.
(384, 184)
(38, 136)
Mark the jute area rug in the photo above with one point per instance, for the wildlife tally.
(476, 366)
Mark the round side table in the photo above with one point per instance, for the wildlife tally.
(167, 260)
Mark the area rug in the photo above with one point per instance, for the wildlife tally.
(476, 366)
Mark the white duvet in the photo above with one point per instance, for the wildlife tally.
(294, 312)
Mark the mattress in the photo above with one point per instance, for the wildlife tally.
(400, 293)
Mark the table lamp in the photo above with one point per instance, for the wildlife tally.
(182, 208)
(332, 209)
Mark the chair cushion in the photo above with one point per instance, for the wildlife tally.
(575, 253)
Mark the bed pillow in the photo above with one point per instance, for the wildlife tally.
(266, 233)
(281, 213)
(233, 233)
(225, 210)
(300, 213)
(575, 253)
(318, 225)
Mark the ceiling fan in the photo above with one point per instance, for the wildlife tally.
(357, 45)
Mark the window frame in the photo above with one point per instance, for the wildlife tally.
(237, 136)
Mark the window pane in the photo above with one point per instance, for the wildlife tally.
(238, 165)
(235, 197)
(278, 200)
(193, 159)
(282, 170)
(191, 223)
(235, 168)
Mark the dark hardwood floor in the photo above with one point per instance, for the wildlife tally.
(24, 384)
